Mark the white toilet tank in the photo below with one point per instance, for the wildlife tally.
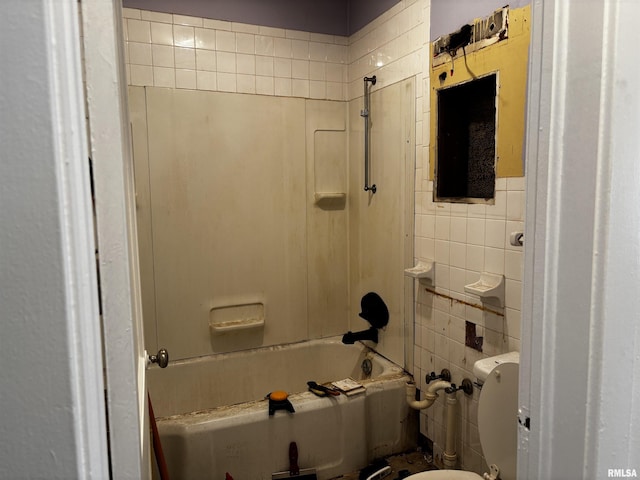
(498, 411)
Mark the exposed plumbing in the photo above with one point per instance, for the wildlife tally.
(449, 456)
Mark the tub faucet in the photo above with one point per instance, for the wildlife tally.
(352, 337)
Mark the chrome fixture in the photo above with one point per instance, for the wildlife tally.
(365, 114)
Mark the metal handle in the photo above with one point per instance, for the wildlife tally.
(162, 358)
(365, 114)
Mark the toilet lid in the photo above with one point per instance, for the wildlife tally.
(498, 419)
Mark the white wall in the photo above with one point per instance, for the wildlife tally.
(51, 390)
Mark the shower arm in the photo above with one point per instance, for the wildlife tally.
(365, 114)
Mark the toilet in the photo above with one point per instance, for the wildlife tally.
(497, 420)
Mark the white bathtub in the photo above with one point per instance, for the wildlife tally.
(213, 417)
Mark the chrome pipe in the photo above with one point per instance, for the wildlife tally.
(365, 114)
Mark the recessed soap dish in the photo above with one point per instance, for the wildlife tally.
(489, 286)
(421, 270)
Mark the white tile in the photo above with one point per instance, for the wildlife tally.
(185, 58)
(443, 208)
(443, 227)
(162, 56)
(156, 16)
(246, 64)
(336, 53)
(441, 320)
(282, 47)
(513, 264)
(317, 71)
(300, 49)
(300, 88)
(300, 69)
(282, 67)
(217, 24)
(226, 62)
(495, 233)
(334, 72)
(283, 87)
(265, 85)
(458, 209)
(186, 20)
(515, 205)
(206, 60)
(246, 83)
(272, 32)
(321, 37)
(475, 258)
(205, 38)
(341, 40)
(458, 279)
(186, 79)
(494, 260)
(138, 31)
(428, 226)
(441, 346)
(335, 91)
(442, 252)
(501, 184)
(442, 278)
(458, 254)
(458, 229)
(226, 82)
(318, 51)
(264, 45)
(184, 36)
(475, 231)
(499, 209)
(297, 35)
(141, 75)
(264, 66)
(225, 41)
(478, 210)
(245, 43)
(425, 248)
(140, 53)
(317, 89)
(206, 80)
(513, 322)
(513, 294)
(162, 33)
(515, 183)
(245, 28)
(131, 13)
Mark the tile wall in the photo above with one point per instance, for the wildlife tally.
(194, 53)
(175, 51)
(465, 240)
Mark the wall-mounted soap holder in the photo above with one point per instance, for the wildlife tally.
(489, 286)
(423, 269)
(330, 200)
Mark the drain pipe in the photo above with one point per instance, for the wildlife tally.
(449, 457)
(430, 396)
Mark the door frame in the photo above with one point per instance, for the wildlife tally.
(110, 144)
(579, 370)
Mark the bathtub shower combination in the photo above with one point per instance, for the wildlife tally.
(213, 416)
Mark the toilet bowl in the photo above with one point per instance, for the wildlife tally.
(497, 420)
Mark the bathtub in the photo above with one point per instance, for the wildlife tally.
(213, 417)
